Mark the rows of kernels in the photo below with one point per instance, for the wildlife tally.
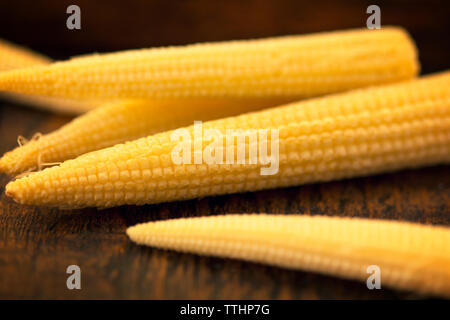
(314, 146)
(158, 184)
(293, 66)
(413, 257)
(119, 122)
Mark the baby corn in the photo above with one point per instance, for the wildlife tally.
(409, 256)
(301, 66)
(363, 132)
(14, 57)
(119, 122)
(126, 120)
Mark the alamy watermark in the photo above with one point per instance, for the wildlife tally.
(374, 280)
(74, 280)
(235, 146)
(374, 20)
(74, 20)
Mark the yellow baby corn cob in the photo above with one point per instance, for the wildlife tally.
(302, 66)
(357, 133)
(118, 122)
(410, 256)
(12, 57)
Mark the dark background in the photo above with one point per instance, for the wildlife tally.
(37, 244)
(123, 24)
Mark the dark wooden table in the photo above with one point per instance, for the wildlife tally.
(37, 244)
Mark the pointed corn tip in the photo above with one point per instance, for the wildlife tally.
(130, 233)
(12, 191)
(133, 232)
(7, 164)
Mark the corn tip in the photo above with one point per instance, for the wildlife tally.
(12, 191)
(129, 232)
(132, 232)
(139, 233)
(7, 163)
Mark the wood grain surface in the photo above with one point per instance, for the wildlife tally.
(37, 244)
